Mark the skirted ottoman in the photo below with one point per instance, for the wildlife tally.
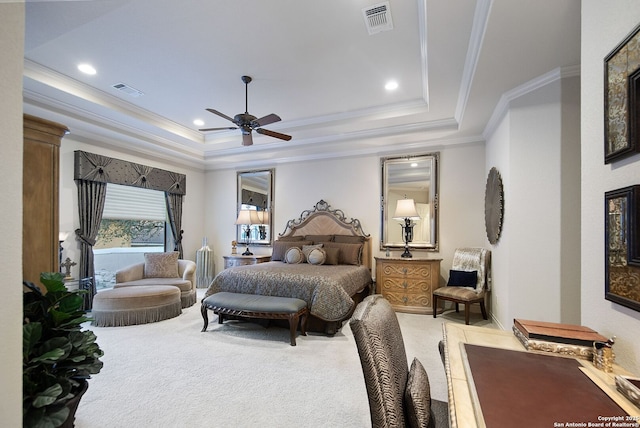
(135, 305)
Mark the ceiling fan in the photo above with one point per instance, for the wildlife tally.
(247, 122)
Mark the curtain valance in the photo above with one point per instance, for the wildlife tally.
(103, 169)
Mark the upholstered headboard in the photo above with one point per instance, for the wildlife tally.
(322, 220)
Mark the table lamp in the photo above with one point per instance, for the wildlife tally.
(406, 211)
(245, 219)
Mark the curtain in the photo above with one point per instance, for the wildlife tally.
(91, 197)
(174, 211)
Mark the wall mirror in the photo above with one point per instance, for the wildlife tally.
(410, 177)
(255, 193)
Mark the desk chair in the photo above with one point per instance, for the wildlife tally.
(398, 396)
(468, 280)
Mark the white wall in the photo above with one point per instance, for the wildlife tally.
(11, 46)
(192, 209)
(536, 149)
(354, 185)
(604, 25)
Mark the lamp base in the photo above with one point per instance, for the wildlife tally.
(247, 252)
(406, 253)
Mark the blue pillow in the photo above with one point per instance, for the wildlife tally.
(460, 278)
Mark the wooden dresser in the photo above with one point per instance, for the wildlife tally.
(407, 283)
(240, 260)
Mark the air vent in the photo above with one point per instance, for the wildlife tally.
(377, 18)
(128, 89)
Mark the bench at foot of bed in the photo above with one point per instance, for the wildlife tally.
(256, 306)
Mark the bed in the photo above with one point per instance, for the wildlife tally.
(332, 281)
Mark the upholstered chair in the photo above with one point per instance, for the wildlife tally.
(469, 280)
(399, 396)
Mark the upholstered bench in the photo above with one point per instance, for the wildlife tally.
(256, 306)
(135, 305)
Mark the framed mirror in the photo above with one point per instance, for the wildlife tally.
(410, 177)
(255, 193)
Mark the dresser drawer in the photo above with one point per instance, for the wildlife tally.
(408, 283)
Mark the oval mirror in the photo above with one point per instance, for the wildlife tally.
(416, 178)
(255, 193)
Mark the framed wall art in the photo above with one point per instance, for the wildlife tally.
(622, 246)
(621, 98)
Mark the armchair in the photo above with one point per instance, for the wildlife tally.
(469, 280)
(398, 396)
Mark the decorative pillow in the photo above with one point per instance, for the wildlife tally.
(348, 239)
(280, 247)
(417, 396)
(318, 238)
(294, 255)
(460, 278)
(161, 265)
(316, 256)
(331, 256)
(350, 254)
(306, 249)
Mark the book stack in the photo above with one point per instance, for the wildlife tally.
(567, 339)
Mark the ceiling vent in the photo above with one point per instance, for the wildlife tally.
(128, 89)
(377, 18)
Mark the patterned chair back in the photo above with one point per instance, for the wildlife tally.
(478, 259)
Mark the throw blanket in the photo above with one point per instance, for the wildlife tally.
(327, 289)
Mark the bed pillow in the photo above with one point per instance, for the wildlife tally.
(348, 239)
(417, 396)
(318, 238)
(350, 254)
(291, 238)
(280, 247)
(294, 255)
(161, 265)
(316, 256)
(331, 256)
(306, 249)
(460, 278)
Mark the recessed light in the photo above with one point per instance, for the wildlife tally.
(198, 122)
(391, 85)
(87, 69)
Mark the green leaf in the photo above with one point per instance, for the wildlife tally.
(47, 396)
(31, 334)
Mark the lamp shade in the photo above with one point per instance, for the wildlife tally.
(263, 216)
(406, 208)
(248, 217)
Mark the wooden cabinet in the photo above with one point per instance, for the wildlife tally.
(40, 182)
(407, 283)
(239, 260)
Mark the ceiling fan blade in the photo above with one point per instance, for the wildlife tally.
(216, 129)
(266, 120)
(210, 110)
(273, 134)
(247, 139)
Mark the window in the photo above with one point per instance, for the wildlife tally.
(133, 223)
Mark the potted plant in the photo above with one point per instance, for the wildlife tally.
(57, 355)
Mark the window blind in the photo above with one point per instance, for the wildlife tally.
(134, 203)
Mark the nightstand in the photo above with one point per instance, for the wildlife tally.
(407, 283)
(239, 260)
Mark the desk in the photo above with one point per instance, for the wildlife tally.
(461, 402)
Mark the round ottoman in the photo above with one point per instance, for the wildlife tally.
(135, 305)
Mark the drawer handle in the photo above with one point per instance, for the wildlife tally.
(404, 284)
(404, 271)
(405, 300)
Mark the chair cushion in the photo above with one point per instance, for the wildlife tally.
(417, 396)
(463, 294)
(461, 278)
(161, 265)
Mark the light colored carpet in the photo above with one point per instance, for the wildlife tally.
(239, 374)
